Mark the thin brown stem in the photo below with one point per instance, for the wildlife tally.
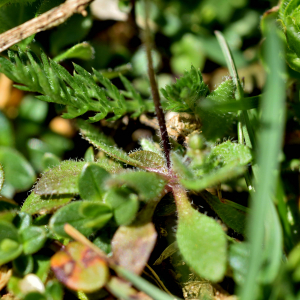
(49, 19)
(154, 90)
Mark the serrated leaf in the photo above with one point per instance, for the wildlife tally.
(147, 185)
(18, 172)
(91, 182)
(87, 217)
(201, 240)
(36, 204)
(80, 268)
(33, 239)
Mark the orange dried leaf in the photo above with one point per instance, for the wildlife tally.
(80, 268)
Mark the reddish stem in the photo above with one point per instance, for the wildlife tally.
(155, 94)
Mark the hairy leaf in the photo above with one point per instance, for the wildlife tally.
(201, 240)
(36, 204)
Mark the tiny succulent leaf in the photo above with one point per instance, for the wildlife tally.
(80, 268)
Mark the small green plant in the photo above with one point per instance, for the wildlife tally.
(91, 225)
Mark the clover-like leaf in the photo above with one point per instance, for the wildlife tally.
(80, 268)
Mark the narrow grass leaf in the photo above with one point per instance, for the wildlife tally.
(269, 147)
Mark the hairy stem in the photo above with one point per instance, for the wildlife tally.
(154, 90)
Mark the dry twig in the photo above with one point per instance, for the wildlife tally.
(51, 18)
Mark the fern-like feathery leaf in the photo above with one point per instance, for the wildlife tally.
(79, 93)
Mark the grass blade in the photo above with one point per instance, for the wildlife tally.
(269, 147)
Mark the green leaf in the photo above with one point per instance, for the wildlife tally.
(238, 257)
(33, 239)
(246, 130)
(22, 220)
(201, 240)
(3, 2)
(150, 161)
(49, 161)
(41, 266)
(6, 132)
(225, 161)
(89, 155)
(7, 204)
(54, 290)
(35, 204)
(125, 205)
(87, 217)
(18, 172)
(71, 32)
(103, 143)
(62, 179)
(35, 296)
(91, 182)
(185, 94)
(268, 151)
(1, 177)
(23, 265)
(82, 51)
(147, 185)
(10, 248)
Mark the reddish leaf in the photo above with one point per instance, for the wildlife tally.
(80, 268)
(132, 246)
